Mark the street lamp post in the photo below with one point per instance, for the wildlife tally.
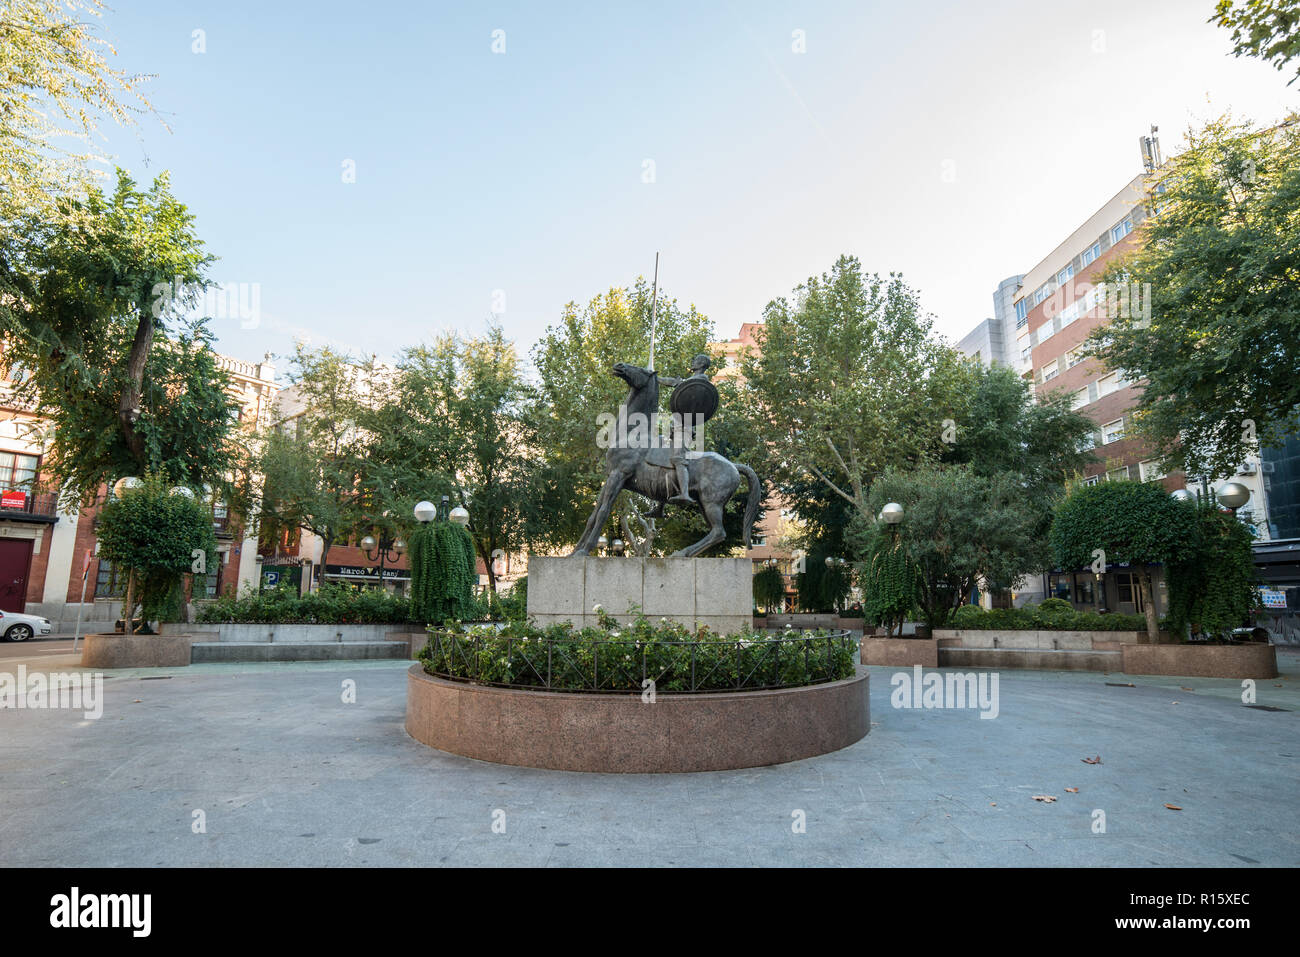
(385, 548)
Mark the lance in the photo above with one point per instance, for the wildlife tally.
(654, 314)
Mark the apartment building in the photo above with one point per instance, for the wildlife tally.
(48, 560)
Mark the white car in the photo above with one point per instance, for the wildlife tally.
(16, 627)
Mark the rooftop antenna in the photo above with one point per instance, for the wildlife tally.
(1150, 147)
(654, 314)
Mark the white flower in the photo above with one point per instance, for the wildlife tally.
(597, 609)
(615, 633)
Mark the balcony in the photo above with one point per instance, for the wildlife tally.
(24, 506)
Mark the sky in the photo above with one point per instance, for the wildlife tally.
(372, 175)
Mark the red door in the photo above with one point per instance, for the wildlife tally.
(15, 561)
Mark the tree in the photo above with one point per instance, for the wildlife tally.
(442, 573)
(822, 587)
(1218, 263)
(769, 588)
(1124, 523)
(319, 471)
(959, 529)
(158, 537)
(98, 294)
(456, 421)
(890, 583)
(1212, 589)
(57, 83)
(573, 362)
(848, 382)
(1268, 30)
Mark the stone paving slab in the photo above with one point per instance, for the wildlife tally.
(288, 774)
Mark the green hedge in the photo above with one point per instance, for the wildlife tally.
(609, 658)
(330, 604)
(1054, 614)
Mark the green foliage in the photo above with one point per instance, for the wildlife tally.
(1221, 344)
(442, 574)
(890, 582)
(848, 382)
(1268, 29)
(128, 382)
(616, 658)
(823, 589)
(1135, 523)
(154, 535)
(1212, 589)
(769, 587)
(319, 461)
(1043, 617)
(334, 604)
(457, 423)
(959, 529)
(1131, 523)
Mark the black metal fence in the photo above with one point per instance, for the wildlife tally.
(624, 665)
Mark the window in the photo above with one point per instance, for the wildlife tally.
(1065, 275)
(1025, 350)
(1150, 471)
(1091, 253)
(1073, 358)
(1107, 384)
(1022, 312)
(1121, 229)
(18, 471)
(1129, 592)
(1051, 370)
(1040, 294)
(1046, 331)
(1112, 432)
(1092, 480)
(1083, 590)
(1118, 475)
(1087, 444)
(1080, 399)
(109, 583)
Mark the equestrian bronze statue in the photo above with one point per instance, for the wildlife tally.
(669, 472)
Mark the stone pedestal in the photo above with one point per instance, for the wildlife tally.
(713, 592)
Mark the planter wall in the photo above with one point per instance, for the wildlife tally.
(621, 733)
(900, 652)
(1202, 661)
(288, 633)
(136, 651)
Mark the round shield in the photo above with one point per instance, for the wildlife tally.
(696, 397)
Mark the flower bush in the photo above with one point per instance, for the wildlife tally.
(610, 657)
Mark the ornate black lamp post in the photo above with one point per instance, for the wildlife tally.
(385, 549)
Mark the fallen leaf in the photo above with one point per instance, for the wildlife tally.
(993, 803)
(1184, 689)
(1045, 798)
(136, 701)
(1096, 760)
(1173, 807)
(1073, 790)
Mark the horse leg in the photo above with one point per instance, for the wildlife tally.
(713, 512)
(604, 505)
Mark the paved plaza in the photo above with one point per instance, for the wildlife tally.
(287, 773)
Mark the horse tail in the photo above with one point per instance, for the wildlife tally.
(755, 496)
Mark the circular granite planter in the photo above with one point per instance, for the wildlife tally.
(621, 733)
(136, 651)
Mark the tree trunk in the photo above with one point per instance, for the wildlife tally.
(128, 603)
(1149, 607)
(128, 409)
(327, 542)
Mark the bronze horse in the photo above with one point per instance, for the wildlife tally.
(713, 478)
